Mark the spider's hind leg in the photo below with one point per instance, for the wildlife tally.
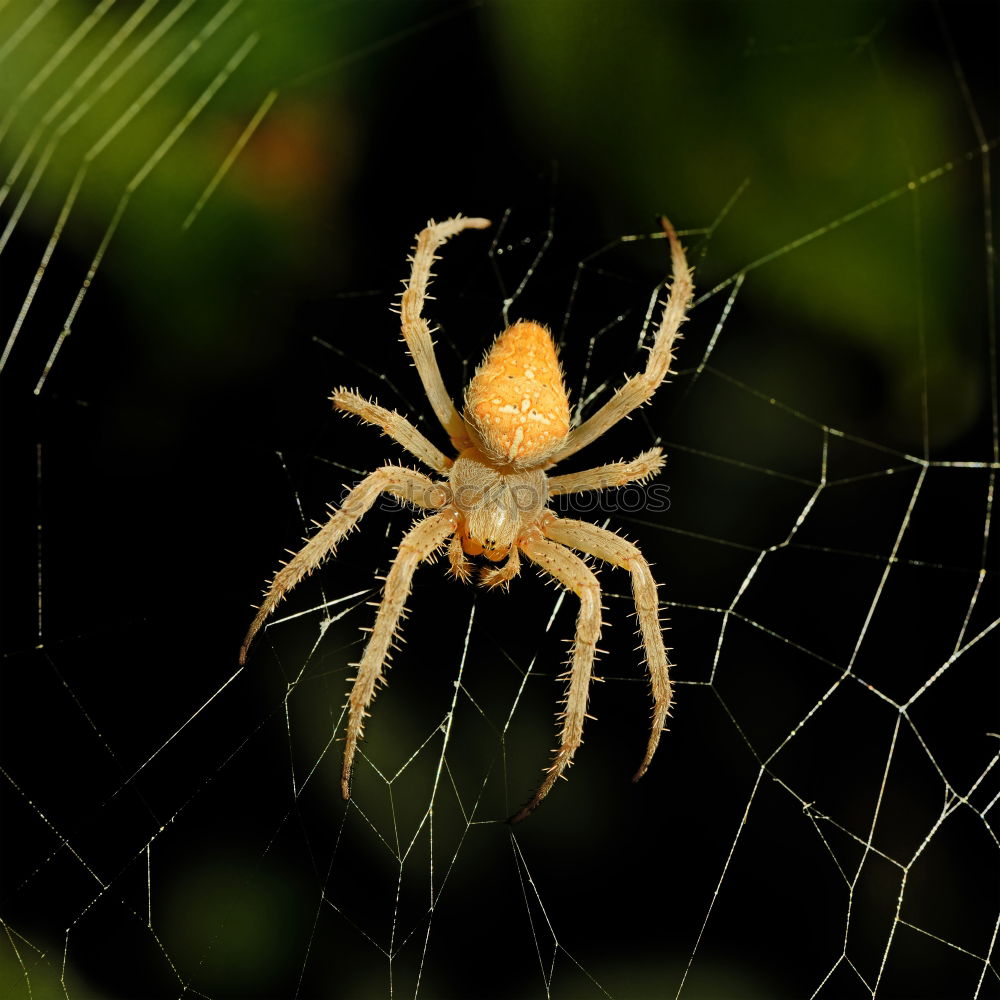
(416, 330)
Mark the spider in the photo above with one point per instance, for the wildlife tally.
(493, 501)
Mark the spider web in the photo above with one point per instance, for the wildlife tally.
(821, 817)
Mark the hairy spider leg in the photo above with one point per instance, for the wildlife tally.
(407, 484)
(418, 544)
(612, 548)
(574, 574)
(415, 329)
(605, 477)
(640, 388)
(393, 424)
(493, 576)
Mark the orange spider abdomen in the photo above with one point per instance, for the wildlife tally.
(517, 401)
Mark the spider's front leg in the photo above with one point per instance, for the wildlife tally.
(406, 484)
(574, 574)
(418, 544)
(612, 548)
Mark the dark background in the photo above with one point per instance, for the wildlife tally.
(174, 823)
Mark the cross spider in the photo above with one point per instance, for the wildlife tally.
(493, 503)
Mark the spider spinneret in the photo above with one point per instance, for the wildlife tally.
(515, 425)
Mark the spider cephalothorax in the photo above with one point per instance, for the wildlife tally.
(494, 503)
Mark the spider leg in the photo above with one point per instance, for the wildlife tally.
(574, 574)
(460, 567)
(640, 388)
(604, 477)
(418, 544)
(395, 425)
(496, 576)
(416, 331)
(406, 484)
(612, 548)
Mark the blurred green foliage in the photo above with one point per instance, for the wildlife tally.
(822, 111)
(650, 106)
